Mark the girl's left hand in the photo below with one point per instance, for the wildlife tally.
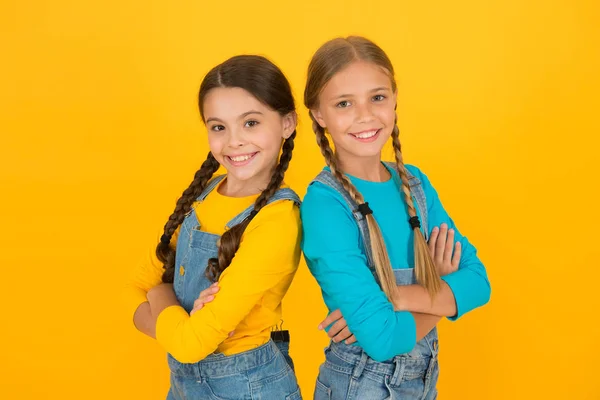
(206, 296)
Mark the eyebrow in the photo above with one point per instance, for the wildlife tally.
(244, 115)
(370, 91)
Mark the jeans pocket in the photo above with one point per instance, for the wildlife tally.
(232, 387)
(322, 392)
(274, 380)
(294, 396)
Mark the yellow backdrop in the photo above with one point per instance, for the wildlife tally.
(100, 133)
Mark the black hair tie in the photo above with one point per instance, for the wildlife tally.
(165, 239)
(364, 209)
(414, 222)
(252, 214)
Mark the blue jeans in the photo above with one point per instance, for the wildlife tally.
(259, 374)
(349, 374)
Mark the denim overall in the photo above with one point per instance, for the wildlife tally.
(348, 372)
(264, 373)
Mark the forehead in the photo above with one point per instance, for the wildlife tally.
(357, 78)
(225, 103)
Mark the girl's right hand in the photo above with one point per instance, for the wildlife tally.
(339, 330)
(442, 247)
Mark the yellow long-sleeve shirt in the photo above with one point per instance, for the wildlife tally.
(251, 288)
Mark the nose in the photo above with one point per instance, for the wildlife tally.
(235, 139)
(364, 113)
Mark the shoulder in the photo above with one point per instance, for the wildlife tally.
(422, 178)
(277, 218)
(323, 201)
(415, 171)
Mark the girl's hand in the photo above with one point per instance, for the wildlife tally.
(446, 255)
(339, 331)
(442, 247)
(206, 296)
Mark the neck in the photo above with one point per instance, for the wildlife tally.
(233, 187)
(365, 168)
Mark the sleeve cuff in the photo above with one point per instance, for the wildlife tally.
(132, 302)
(466, 295)
(408, 336)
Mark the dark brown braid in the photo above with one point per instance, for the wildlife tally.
(164, 252)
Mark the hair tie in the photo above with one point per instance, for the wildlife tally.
(414, 222)
(364, 209)
(165, 239)
(252, 214)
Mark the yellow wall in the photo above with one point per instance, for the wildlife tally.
(100, 133)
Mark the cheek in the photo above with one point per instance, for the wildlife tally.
(215, 144)
(338, 136)
(269, 140)
(339, 123)
(388, 116)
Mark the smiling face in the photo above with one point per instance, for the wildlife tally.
(357, 107)
(245, 135)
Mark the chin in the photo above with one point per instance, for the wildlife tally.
(242, 175)
(371, 150)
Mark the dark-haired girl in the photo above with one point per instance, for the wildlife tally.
(242, 230)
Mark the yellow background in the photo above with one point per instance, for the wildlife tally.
(100, 134)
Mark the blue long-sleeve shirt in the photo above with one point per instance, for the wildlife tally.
(335, 256)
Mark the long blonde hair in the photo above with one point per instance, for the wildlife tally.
(329, 59)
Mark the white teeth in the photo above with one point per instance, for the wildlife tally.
(366, 135)
(241, 158)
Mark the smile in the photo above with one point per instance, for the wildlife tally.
(366, 136)
(241, 160)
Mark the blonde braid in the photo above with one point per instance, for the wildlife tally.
(425, 270)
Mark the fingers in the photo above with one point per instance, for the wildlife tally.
(449, 245)
(344, 334)
(456, 256)
(337, 328)
(432, 240)
(334, 316)
(351, 339)
(211, 290)
(207, 295)
(206, 299)
(440, 245)
(198, 304)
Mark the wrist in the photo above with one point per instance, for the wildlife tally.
(400, 299)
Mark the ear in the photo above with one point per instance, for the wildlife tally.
(289, 124)
(319, 118)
